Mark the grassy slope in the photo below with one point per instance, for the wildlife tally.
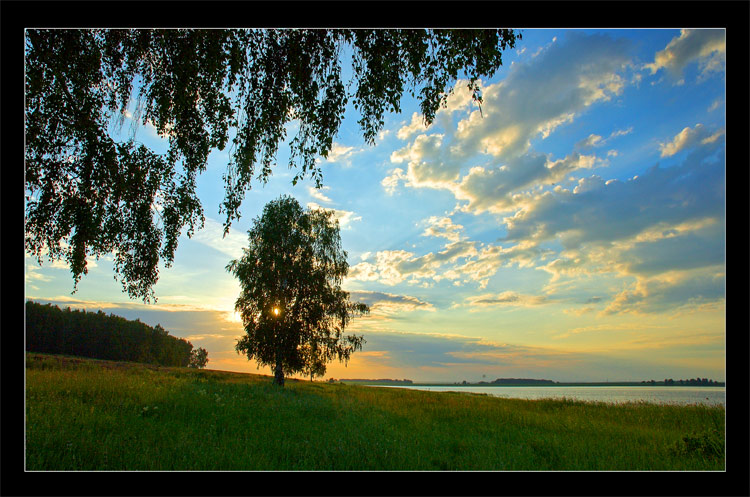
(87, 414)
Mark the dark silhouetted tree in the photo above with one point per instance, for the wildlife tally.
(88, 194)
(198, 358)
(291, 302)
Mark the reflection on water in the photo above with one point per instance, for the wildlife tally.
(614, 394)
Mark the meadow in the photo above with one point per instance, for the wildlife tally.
(85, 414)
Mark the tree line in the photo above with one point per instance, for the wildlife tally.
(704, 382)
(97, 335)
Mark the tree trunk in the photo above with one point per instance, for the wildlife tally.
(278, 378)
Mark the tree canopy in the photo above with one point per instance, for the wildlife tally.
(198, 358)
(292, 306)
(88, 194)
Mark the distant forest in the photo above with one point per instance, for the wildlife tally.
(97, 335)
(693, 382)
(384, 381)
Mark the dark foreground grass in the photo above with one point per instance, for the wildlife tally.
(98, 415)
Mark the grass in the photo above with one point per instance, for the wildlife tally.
(100, 415)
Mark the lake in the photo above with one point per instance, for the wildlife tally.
(613, 394)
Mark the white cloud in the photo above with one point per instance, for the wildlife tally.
(427, 167)
(687, 138)
(542, 94)
(705, 46)
(460, 262)
(212, 235)
(341, 154)
(507, 298)
(537, 97)
(415, 126)
(594, 140)
(392, 267)
(388, 304)
(589, 142)
(499, 189)
(33, 274)
(443, 227)
(317, 193)
(344, 217)
(390, 182)
(460, 97)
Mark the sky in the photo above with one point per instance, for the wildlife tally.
(573, 229)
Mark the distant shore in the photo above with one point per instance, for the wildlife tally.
(536, 383)
(574, 384)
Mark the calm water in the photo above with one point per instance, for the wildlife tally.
(661, 395)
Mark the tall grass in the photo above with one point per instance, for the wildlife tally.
(99, 415)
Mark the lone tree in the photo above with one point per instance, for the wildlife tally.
(198, 358)
(291, 302)
(91, 192)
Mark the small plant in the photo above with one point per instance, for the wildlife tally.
(710, 444)
(145, 412)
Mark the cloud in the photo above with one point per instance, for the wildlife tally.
(673, 291)
(460, 262)
(396, 266)
(687, 138)
(489, 259)
(544, 93)
(415, 126)
(664, 268)
(390, 182)
(716, 104)
(622, 229)
(675, 268)
(341, 154)
(589, 142)
(443, 227)
(594, 140)
(33, 274)
(664, 229)
(454, 357)
(705, 46)
(497, 189)
(317, 193)
(507, 298)
(459, 99)
(605, 211)
(212, 235)
(537, 97)
(679, 248)
(426, 166)
(344, 217)
(388, 304)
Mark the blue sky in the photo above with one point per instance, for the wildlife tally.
(572, 230)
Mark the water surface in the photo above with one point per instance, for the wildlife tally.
(614, 394)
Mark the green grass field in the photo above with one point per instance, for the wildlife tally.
(98, 415)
